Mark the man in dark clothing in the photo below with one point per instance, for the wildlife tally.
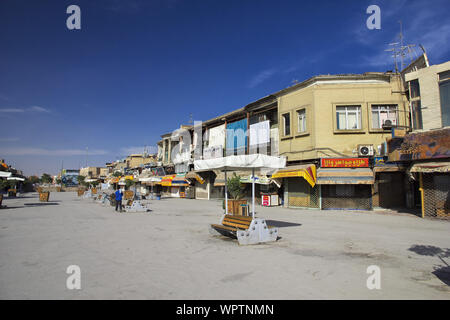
(118, 194)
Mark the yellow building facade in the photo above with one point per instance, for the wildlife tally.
(336, 117)
(309, 115)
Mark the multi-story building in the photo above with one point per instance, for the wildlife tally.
(333, 126)
(333, 131)
(426, 148)
(93, 172)
(340, 120)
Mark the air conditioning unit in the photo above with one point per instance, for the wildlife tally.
(365, 150)
(388, 122)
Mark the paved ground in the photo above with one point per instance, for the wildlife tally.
(169, 254)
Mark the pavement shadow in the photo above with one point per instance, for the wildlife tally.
(430, 251)
(441, 272)
(39, 204)
(10, 207)
(282, 224)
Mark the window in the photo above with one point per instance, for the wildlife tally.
(301, 118)
(444, 94)
(417, 114)
(380, 113)
(348, 117)
(414, 91)
(414, 96)
(286, 124)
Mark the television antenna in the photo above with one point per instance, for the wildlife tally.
(399, 50)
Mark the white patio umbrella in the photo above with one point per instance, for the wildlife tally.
(16, 178)
(5, 174)
(239, 162)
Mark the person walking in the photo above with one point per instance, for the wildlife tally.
(119, 195)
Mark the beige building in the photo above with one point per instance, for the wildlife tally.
(329, 116)
(340, 117)
(429, 92)
(90, 172)
(138, 160)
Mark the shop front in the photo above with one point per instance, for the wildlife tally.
(299, 184)
(434, 182)
(346, 188)
(174, 186)
(198, 185)
(392, 187)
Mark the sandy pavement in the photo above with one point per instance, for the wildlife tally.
(168, 253)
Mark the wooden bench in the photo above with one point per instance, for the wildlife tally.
(247, 230)
(231, 224)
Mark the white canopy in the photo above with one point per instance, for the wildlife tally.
(231, 163)
(150, 179)
(16, 178)
(249, 161)
(4, 174)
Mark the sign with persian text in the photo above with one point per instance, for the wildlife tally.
(344, 162)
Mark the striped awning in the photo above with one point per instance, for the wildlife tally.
(345, 176)
(180, 181)
(166, 181)
(305, 171)
(114, 180)
(195, 176)
(430, 167)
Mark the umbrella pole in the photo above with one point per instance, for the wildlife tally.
(253, 193)
(226, 194)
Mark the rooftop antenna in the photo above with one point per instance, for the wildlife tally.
(190, 119)
(402, 50)
(86, 156)
(395, 53)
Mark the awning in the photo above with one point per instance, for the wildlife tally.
(4, 174)
(345, 176)
(114, 180)
(180, 181)
(90, 180)
(151, 181)
(240, 162)
(166, 181)
(430, 167)
(306, 171)
(195, 176)
(16, 178)
(389, 168)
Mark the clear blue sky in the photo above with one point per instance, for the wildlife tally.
(137, 69)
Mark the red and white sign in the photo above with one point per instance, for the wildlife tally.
(344, 162)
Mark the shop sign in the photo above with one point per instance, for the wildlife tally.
(344, 162)
(266, 200)
(380, 161)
